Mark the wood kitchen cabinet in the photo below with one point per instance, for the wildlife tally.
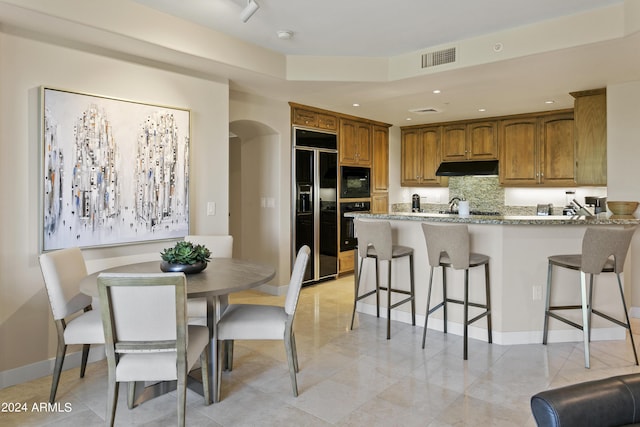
(470, 141)
(318, 119)
(354, 143)
(590, 109)
(380, 170)
(420, 157)
(537, 150)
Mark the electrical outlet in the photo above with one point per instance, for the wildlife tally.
(537, 293)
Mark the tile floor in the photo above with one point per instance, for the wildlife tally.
(347, 378)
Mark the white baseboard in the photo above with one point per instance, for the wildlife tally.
(45, 367)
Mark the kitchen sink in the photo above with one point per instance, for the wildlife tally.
(487, 213)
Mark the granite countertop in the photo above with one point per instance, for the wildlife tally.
(600, 219)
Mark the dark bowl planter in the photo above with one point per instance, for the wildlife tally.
(168, 267)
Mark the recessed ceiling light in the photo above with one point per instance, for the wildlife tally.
(355, 104)
(408, 119)
(549, 102)
(436, 91)
(482, 109)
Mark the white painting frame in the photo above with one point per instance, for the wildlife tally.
(113, 171)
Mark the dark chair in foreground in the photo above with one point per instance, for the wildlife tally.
(608, 402)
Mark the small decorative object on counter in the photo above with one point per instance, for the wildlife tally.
(185, 257)
(622, 208)
(463, 207)
(415, 203)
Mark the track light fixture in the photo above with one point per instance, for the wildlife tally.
(248, 11)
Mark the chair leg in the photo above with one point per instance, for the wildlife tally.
(487, 284)
(377, 289)
(204, 371)
(590, 304)
(547, 304)
(356, 290)
(181, 391)
(219, 351)
(585, 317)
(388, 299)
(131, 394)
(466, 313)
(228, 355)
(85, 357)
(426, 312)
(57, 369)
(295, 352)
(289, 343)
(112, 398)
(626, 314)
(413, 291)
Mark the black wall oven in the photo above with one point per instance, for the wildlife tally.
(348, 240)
(354, 182)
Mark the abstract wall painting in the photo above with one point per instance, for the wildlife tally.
(113, 171)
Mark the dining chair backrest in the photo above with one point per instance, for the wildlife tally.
(297, 276)
(451, 239)
(220, 246)
(600, 243)
(62, 272)
(376, 234)
(144, 313)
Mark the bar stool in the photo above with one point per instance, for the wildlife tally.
(374, 242)
(448, 246)
(603, 251)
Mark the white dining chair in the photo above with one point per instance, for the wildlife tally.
(62, 271)
(147, 336)
(220, 246)
(264, 322)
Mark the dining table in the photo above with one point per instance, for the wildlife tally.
(221, 277)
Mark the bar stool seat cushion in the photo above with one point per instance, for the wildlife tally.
(397, 251)
(574, 262)
(474, 259)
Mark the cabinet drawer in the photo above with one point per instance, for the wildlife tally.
(314, 119)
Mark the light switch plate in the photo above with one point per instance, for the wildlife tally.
(211, 208)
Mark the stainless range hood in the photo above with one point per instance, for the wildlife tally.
(474, 167)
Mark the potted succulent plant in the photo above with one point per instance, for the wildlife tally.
(185, 257)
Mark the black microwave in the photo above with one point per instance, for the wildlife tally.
(354, 182)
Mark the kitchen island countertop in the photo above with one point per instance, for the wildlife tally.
(600, 219)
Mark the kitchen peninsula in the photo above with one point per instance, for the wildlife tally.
(518, 247)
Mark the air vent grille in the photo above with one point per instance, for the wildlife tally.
(424, 110)
(439, 57)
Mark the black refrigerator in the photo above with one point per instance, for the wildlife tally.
(315, 197)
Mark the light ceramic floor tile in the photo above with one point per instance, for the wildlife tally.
(347, 377)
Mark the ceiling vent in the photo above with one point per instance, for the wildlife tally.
(425, 110)
(439, 57)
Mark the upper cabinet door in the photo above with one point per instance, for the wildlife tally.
(590, 110)
(482, 140)
(454, 143)
(380, 165)
(355, 143)
(557, 150)
(518, 151)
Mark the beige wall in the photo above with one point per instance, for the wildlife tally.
(27, 334)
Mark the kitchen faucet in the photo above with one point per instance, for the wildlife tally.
(453, 203)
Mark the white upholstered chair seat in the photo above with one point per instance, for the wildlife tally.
(252, 322)
(85, 329)
(160, 366)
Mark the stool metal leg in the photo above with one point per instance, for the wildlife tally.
(444, 296)
(413, 292)
(466, 313)
(626, 314)
(428, 311)
(357, 291)
(389, 300)
(585, 317)
(546, 307)
(487, 284)
(377, 289)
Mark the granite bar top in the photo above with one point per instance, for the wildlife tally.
(600, 219)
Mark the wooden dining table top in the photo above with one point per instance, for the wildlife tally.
(221, 277)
